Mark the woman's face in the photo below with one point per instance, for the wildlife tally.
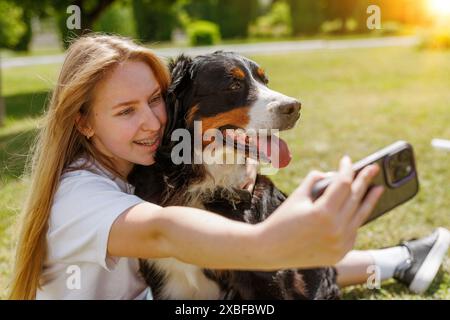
(128, 115)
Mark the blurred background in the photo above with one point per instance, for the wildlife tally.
(366, 75)
(28, 25)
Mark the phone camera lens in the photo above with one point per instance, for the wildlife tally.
(400, 166)
(405, 156)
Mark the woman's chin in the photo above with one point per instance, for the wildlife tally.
(147, 161)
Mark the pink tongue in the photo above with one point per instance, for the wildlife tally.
(280, 155)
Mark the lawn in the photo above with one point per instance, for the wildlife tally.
(354, 101)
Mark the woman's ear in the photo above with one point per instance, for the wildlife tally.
(83, 126)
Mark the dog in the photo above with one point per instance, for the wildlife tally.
(223, 90)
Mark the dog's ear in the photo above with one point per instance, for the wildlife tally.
(182, 73)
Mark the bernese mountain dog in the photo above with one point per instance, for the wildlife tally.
(224, 90)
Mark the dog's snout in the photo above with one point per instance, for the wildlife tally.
(289, 108)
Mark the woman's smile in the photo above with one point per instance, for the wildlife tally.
(150, 144)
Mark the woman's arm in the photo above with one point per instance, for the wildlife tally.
(300, 233)
(191, 235)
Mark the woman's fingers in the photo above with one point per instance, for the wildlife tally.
(305, 188)
(358, 190)
(367, 206)
(339, 189)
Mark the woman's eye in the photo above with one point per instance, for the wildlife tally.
(155, 99)
(126, 111)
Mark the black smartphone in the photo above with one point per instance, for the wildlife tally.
(398, 175)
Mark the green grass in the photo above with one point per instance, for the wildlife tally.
(354, 101)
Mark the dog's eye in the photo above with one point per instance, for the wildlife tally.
(264, 79)
(235, 86)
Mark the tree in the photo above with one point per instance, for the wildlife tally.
(24, 41)
(155, 19)
(341, 10)
(11, 25)
(235, 16)
(90, 12)
(306, 15)
(232, 16)
(11, 29)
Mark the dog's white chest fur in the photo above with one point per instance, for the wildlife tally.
(186, 281)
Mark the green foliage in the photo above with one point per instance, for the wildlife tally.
(117, 19)
(307, 16)
(11, 26)
(344, 14)
(25, 40)
(202, 32)
(200, 9)
(232, 16)
(276, 23)
(155, 19)
(235, 16)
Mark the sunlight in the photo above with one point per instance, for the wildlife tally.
(439, 7)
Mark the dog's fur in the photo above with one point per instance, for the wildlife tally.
(223, 90)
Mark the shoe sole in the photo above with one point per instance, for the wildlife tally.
(432, 262)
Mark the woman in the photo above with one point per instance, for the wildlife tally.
(107, 114)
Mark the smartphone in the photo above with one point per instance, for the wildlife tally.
(398, 176)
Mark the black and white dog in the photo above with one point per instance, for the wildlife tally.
(224, 90)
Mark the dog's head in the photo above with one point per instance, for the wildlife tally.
(224, 90)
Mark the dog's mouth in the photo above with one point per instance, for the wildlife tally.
(266, 147)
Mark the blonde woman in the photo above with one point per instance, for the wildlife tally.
(107, 114)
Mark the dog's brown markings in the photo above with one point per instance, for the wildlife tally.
(238, 73)
(299, 284)
(191, 114)
(237, 117)
(261, 73)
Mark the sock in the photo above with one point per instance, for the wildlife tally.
(389, 259)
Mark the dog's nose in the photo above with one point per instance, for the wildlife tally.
(289, 108)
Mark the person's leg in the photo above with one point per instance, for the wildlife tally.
(354, 268)
(414, 263)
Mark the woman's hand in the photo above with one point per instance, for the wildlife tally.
(302, 232)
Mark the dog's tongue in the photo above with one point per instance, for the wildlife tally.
(276, 149)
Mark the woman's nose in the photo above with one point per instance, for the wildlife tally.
(150, 121)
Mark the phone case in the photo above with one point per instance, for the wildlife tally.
(396, 191)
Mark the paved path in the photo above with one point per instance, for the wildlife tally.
(246, 49)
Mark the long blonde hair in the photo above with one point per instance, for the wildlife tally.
(59, 142)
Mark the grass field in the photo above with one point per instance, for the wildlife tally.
(354, 101)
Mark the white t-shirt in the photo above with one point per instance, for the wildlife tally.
(86, 204)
